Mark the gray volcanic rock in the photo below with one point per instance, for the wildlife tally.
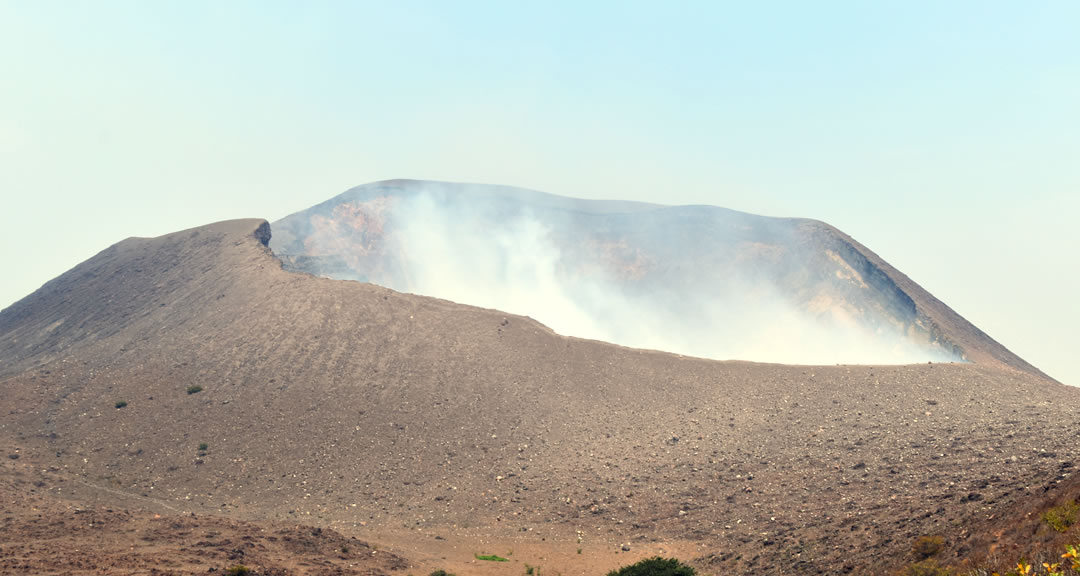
(398, 418)
(696, 280)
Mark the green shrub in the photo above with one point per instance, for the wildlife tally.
(194, 388)
(491, 557)
(238, 570)
(121, 404)
(928, 567)
(1060, 518)
(655, 566)
(441, 573)
(927, 546)
(203, 447)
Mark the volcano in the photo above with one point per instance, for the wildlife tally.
(188, 402)
(694, 280)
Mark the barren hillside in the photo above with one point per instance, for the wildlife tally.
(437, 430)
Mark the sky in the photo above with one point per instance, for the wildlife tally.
(945, 136)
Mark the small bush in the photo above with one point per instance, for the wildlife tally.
(238, 570)
(927, 546)
(194, 389)
(491, 557)
(656, 566)
(441, 573)
(203, 447)
(1060, 518)
(121, 404)
(928, 567)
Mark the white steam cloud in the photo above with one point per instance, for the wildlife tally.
(511, 260)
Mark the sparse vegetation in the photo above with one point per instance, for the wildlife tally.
(924, 549)
(928, 567)
(238, 570)
(121, 404)
(1068, 566)
(194, 389)
(1072, 554)
(1025, 568)
(655, 566)
(927, 546)
(1060, 518)
(441, 573)
(491, 557)
(203, 447)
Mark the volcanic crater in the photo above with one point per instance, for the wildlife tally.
(172, 400)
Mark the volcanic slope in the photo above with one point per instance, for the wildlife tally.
(423, 425)
(697, 280)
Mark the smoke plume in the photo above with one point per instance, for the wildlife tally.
(640, 277)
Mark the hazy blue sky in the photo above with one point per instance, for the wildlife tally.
(943, 135)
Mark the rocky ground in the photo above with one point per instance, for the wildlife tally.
(438, 431)
(55, 524)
